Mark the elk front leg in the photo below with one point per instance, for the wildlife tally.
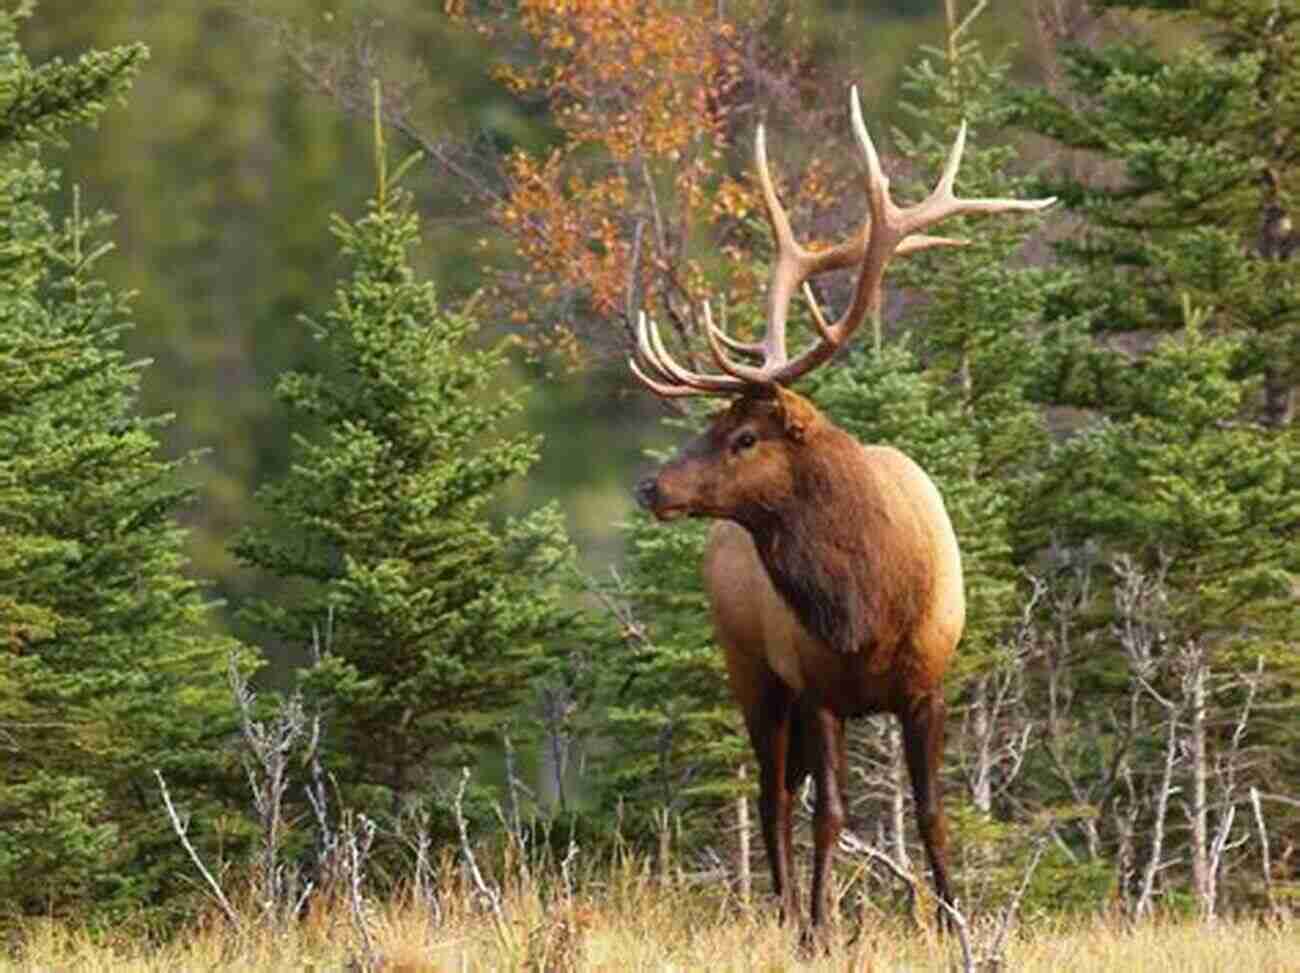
(923, 721)
(770, 732)
(825, 758)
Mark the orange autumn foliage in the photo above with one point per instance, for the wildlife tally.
(635, 194)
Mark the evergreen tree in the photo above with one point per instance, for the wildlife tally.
(1200, 140)
(440, 616)
(107, 667)
(1179, 337)
(676, 737)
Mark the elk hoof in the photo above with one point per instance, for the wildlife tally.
(814, 942)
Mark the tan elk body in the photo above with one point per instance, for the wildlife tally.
(833, 574)
(763, 638)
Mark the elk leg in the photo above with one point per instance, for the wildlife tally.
(796, 771)
(770, 734)
(826, 753)
(923, 722)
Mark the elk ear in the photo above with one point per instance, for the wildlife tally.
(797, 414)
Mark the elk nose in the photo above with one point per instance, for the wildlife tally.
(647, 492)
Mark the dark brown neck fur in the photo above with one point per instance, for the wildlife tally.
(834, 553)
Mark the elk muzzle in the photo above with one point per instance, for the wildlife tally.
(647, 493)
(662, 495)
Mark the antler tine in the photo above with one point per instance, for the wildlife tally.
(645, 348)
(742, 347)
(743, 373)
(894, 230)
(789, 268)
(818, 318)
(658, 388)
(754, 348)
(651, 348)
(889, 230)
(949, 177)
(943, 202)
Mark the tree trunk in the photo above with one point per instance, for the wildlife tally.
(898, 801)
(1202, 874)
(981, 727)
(746, 881)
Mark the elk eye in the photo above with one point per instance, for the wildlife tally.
(744, 441)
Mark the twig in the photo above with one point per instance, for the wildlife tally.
(1265, 864)
(1162, 803)
(852, 844)
(963, 934)
(358, 850)
(182, 828)
(1280, 799)
(490, 894)
(566, 865)
(995, 950)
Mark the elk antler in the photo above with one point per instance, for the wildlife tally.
(888, 229)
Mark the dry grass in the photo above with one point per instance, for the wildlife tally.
(642, 927)
(625, 919)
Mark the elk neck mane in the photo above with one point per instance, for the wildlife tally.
(841, 550)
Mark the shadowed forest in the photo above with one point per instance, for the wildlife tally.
(330, 633)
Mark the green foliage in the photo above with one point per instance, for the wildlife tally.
(1182, 478)
(107, 666)
(1198, 142)
(440, 615)
(38, 103)
(999, 856)
(222, 166)
(1195, 461)
(1186, 363)
(677, 737)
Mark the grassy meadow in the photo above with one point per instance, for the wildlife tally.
(633, 922)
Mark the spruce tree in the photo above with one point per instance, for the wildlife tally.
(439, 614)
(676, 739)
(108, 669)
(1178, 339)
(1204, 165)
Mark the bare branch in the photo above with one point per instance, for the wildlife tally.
(181, 827)
(1265, 863)
(489, 894)
(1008, 914)
(357, 841)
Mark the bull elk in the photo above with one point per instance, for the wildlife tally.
(833, 573)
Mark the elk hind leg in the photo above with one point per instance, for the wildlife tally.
(923, 734)
(825, 751)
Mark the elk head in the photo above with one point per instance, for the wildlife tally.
(744, 465)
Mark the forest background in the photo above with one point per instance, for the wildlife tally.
(1104, 396)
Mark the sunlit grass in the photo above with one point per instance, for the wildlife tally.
(628, 920)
